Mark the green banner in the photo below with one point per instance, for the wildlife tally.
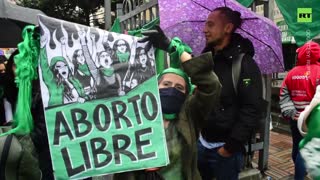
(302, 17)
(245, 3)
(101, 101)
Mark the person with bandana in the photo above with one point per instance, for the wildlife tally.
(63, 87)
(183, 111)
(81, 70)
(122, 50)
(108, 82)
(144, 67)
(78, 66)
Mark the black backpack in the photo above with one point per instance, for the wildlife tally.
(236, 70)
(17, 157)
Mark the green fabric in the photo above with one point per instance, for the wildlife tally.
(78, 86)
(177, 47)
(313, 124)
(160, 63)
(159, 54)
(123, 57)
(148, 26)
(174, 144)
(56, 59)
(116, 27)
(302, 31)
(169, 116)
(309, 145)
(26, 63)
(192, 115)
(84, 69)
(49, 78)
(56, 90)
(107, 71)
(245, 3)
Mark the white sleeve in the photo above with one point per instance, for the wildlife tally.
(304, 114)
(301, 121)
(8, 110)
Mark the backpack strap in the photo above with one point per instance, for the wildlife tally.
(236, 70)
(4, 155)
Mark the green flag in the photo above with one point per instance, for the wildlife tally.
(116, 27)
(159, 54)
(302, 17)
(245, 3)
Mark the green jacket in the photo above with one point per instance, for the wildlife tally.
(55, 90)
(193, 113)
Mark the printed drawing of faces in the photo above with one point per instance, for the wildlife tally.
(78, 55)
(150, 54)
(62, 69)
(142, 56)
(121, 46)
(105, 59)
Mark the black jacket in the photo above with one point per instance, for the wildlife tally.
(235, 118)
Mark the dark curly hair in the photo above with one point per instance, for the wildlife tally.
(232, 16)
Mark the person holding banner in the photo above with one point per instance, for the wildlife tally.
(183, 111)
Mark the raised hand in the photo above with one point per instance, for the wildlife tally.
(157, 38)
(63, 40)
(93, 37)
(43, 41)
(82, 35)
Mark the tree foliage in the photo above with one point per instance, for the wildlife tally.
(70, 10)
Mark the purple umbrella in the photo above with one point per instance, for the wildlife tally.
(185, 19)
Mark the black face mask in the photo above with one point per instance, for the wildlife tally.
(171, 100)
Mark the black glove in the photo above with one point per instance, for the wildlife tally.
(157, 38)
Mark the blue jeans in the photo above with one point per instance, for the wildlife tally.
(211, 164)
(299, 167)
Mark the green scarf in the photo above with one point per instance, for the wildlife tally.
(26, 62)
(123, 57)
(84, 69)
(176, 48)
(107, 71)
(78, 86)
(169, 116)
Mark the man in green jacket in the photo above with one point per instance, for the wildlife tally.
(183, 111)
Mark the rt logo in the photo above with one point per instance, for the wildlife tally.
(304, 15)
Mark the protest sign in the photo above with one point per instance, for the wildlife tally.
(101, 100)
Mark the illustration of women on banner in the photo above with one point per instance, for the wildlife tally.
(63, 87)
(82, 64)
(145, 70)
